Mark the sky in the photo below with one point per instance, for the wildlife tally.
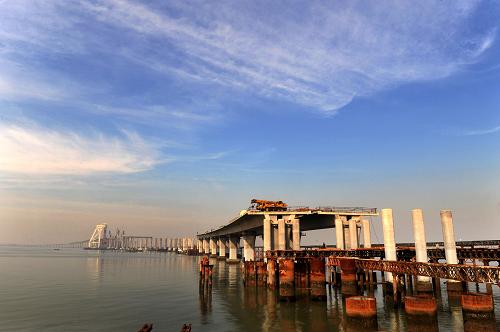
(167, 118)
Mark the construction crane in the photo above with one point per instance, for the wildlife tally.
(263, 205)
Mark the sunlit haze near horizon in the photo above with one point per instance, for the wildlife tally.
(167, 118)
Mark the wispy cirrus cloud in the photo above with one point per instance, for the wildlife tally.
(318, 54)
(480, 132)
(33, 150)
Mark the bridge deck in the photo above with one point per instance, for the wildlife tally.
(310, 219)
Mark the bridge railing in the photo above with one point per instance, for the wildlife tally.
(339, 209)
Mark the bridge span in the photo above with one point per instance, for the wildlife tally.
(281, 230)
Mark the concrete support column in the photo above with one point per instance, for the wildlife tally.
(206, 246)
(389, 240)
(200, 247)
(213, 247)
(275, 239)
(367, 240)
(450, 249)
(233, 249)
(347, 238)
(249, 247)
(423, 282)
(353, 233)
(222, 249)
(281, 234)
(295, 234)
(339, 232)
(267, 233)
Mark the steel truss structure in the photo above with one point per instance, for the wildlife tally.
(403, 253)
(470, 273)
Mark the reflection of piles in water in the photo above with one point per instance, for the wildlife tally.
(205, 287)
(205, 297)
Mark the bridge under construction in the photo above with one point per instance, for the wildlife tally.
(410, 273)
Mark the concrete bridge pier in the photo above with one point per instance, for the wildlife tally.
(275, 236)
(392, 284)
(267, 234)
(450, 250)
(249, 247)
(339, 232)
(213, 247)
(286, 279)
(353, 233)
(317, 278)
(424, 284)
(234, 243)
(250, 273)
(222, 249)
(389, 240)
(302, 276)
(271, 274)
(347, 236)
(295, 233)
(367, 240)
(349, 284)
(367, 243)
(281, 234)
(206, 246)
(261, 270)
(200, 247)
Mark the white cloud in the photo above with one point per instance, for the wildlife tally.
(481, 132)
(38, 151)
(322, 55)
(318, 54)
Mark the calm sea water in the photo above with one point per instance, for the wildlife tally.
(78, 290)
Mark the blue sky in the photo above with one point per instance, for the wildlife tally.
(168, 118)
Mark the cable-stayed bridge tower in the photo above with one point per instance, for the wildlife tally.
(99, 238)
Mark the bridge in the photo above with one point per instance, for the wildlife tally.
(282, 229)
(353, 262)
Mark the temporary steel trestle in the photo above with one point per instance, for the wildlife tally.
(459, 272)
(364, 259)
(403, 253)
